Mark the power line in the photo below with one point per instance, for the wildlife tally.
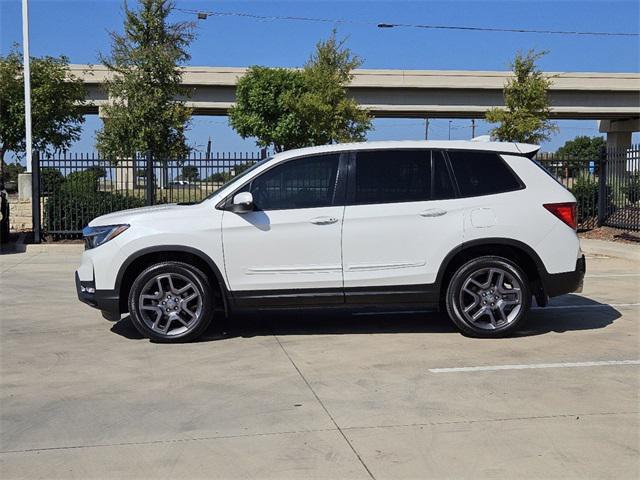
(509, 30)
(203, 14)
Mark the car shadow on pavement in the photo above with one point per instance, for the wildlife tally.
(568, 313)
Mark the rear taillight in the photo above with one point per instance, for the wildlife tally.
(565, 212)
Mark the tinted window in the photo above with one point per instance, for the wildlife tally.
(392, 176)
(305, 183)
(479, 173)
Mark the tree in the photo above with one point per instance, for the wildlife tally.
(328, 114)
(146, 113)
(12, 170)
(190, 173)
(264, 109)
(298, 108)
(583, 148)
(56, 101)
(526, 117)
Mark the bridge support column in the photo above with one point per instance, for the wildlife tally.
(619, 131)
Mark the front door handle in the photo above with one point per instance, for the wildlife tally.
(324, 220)
(433, 212)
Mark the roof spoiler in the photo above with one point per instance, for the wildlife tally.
(527, 149)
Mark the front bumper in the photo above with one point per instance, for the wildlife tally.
(106, 300)
(556, 284)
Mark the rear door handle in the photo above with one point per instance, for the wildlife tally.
(324, 220)
(433, 212)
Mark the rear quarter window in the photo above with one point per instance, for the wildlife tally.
(482, 173)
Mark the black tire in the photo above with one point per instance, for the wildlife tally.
(468, 296)
(183, 324)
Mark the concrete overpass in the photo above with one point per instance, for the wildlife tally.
(613, 98)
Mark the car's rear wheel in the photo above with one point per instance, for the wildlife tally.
(171, 302)
(488, 297)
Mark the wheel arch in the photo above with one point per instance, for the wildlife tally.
(520, 253)
(141, 259)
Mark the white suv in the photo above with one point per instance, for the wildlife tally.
(476, 228)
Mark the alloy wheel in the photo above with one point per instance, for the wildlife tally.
(170, 304)
(491, 298)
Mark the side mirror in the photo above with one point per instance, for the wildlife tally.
(242, 203)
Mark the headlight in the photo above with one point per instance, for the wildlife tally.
(96, 236)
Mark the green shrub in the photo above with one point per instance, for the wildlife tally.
(11, 172)
(77, 201)
(632, 188)
(587, 192)
(72, 211)
(50, 180)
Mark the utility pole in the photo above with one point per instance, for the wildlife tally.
(27, 82)
(426, 128)
(473, 128)
(209, 149)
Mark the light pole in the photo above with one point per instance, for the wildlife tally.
(27, 81)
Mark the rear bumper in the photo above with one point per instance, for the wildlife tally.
(106, 300)
(566, 282)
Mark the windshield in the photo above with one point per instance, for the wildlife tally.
(236, 178)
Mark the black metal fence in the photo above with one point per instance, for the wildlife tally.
(74, 189)
(606, 187)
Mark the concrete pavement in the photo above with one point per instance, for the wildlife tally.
(302, 395)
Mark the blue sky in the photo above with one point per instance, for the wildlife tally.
(79, 30)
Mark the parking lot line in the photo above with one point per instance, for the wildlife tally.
(605, 275)
(598, 305)
(549, 307)
(492, 368)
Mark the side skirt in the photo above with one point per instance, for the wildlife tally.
(396, 295)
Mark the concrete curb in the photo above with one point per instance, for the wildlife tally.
(64, 248)
(611, 249)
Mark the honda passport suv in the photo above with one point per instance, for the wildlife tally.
(474, 228)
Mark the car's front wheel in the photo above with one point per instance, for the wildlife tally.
(171, 302)
(488, 297)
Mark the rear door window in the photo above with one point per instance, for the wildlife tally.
(482, 173)
(392, 176)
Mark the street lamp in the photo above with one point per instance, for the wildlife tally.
(27, 81)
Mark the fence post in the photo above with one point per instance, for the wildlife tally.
(150, 187)
(4, 214)
(602, 187)
(35, 197)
